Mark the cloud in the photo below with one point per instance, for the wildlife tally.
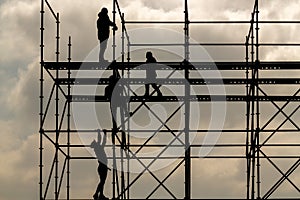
(18, 41)
(18, 171)
(18, 150)
(210, 10)
(19, 33)
(163, 6)
(21, 101)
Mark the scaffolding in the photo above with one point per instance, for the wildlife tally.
(125, 149)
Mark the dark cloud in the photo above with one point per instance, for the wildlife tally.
(2, 1)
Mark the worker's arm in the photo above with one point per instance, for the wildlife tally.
(104, 137)
(99, 136)
(113, 25)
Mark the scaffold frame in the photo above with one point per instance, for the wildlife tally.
(61, 96)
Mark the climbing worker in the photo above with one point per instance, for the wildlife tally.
(151, 74)
(113, 80)
(102, 164)
(103, 24)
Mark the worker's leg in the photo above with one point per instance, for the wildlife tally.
(103, 46)
(103, 175)
(102, 171)
(156, 88)
(146, 89)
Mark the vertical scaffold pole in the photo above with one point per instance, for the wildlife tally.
(248, 118)
(114, 132)
(252, 88)
(57, 111)
(114, 31)
(187, 107)
(186, 32)
(69, 119)
(257, 101)
(114, 129)
(128, 134)
(123, 44)
(41, 99)
(123, 146)
(250, 109)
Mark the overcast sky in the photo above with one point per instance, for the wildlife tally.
(19, 77)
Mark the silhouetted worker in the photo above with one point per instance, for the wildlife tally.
(102, 164)
(113, 80)
(103, 24)
(151, 74)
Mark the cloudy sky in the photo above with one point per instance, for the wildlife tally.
(19, 89)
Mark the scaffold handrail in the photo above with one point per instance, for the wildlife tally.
(266, 65)
(237, 22)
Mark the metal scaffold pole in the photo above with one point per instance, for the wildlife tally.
(187, 105)
(41, 132)
(248, 150)
(57, 113)
(69, 119)
(253, 112)
(252, 86)
(257, 67)
(114, 31)
(129, 107)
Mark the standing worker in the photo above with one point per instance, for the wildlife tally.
(103, 24)
(151, 74)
